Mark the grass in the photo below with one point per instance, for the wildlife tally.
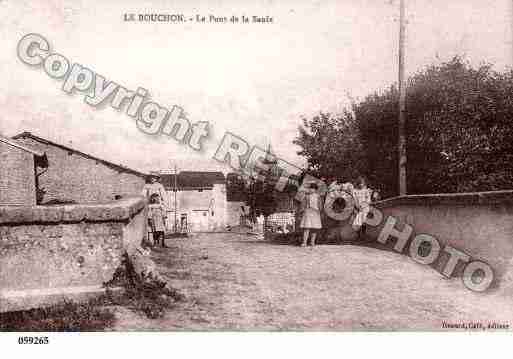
(149, 296)
(62, 317)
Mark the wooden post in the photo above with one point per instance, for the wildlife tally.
(402, 103)
(174, 190)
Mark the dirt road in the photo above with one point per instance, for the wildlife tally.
(237, 282)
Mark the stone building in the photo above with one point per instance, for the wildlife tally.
(200, 200)
(18, 177)
(76, 177)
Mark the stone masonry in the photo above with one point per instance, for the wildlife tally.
(51, 253)
(73, 176)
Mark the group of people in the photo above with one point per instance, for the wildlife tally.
(312, 205)
(313, 218)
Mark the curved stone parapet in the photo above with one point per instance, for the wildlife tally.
(478, 224)
(465, 198)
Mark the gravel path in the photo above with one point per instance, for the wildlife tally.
(236, 282)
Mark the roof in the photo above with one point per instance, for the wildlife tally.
(20, 146)
(192, 179)
(115, 166)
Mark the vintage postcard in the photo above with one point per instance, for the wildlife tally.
(256, 166)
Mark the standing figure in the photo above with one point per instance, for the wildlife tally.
(154, 187)
(311, 220)
(363, 196)
(156, 219)
(184, 227)
(260, 222)
(243, 216)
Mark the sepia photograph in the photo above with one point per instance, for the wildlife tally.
(332, 166)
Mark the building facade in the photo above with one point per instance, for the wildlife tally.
(76, 177)
(18, 165)
(199, 198)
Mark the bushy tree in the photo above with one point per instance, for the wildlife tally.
(459, 132)
(331, 145)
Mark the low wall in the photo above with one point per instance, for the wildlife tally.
(51, 253)
(478, 224)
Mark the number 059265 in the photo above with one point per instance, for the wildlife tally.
(33, 340)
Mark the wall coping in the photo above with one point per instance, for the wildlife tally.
(469, 198)
(115, 211)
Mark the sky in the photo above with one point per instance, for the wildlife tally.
(254, 80)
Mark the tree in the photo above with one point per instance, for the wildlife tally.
(332, 146)
(256, 187)
(459, 131)
(235, 188)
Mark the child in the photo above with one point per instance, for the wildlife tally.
(260, 223)
(156, 219)
(311, 220)
(363, 197)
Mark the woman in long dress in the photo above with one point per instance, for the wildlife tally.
(157, 220)
(311, 220)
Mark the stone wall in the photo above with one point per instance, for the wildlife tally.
(17, 177)
(49, 253)
(71, 176)
(478, 224)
